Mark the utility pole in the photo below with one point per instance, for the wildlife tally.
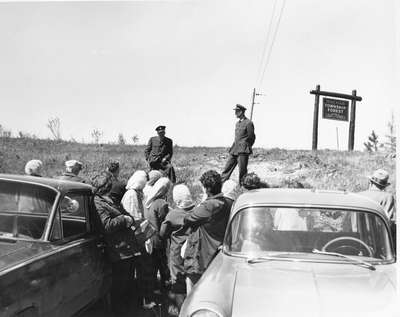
(253, 99)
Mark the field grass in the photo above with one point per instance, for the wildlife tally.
(324, 169)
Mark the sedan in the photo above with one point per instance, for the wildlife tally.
(300, 252)
(52, 260)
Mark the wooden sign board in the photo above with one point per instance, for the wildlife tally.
(335, 109)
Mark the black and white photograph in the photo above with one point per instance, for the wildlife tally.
(199, 158)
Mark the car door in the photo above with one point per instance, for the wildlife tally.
(83, 273)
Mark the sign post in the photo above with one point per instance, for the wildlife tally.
(335, 109)
(315, 121)
(352, 125)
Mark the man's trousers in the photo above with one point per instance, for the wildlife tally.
(241, 160)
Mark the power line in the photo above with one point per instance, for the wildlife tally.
(266, 42)
(273, 41)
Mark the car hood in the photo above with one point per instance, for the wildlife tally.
(15, 252)
(281, 288)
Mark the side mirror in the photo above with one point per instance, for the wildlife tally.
(69, 205)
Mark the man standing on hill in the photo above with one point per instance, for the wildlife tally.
(241, 147)
(158, 153)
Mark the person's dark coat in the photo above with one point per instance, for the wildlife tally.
(244, 137)
(208, 222)
(156, 214)
(120, 240)
(158, 149)
(170, 229)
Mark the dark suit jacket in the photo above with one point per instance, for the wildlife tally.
(156, 149)
(244, 137)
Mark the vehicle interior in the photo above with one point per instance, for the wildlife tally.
(304, 230)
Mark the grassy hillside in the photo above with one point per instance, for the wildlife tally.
(324, 169)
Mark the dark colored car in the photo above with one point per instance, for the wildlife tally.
(52, 260)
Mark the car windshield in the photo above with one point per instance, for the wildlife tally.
(259, 231)
(24, 209)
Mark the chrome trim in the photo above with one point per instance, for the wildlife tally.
(206, 308)
(300, 205)
(50, 220)
(30, 182)
(287, 259)
(47, 254)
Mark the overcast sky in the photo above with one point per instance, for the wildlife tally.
(126, 67)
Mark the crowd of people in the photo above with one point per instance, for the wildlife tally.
(186, 235)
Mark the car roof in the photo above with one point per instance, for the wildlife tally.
(306, 197)
(58, 184)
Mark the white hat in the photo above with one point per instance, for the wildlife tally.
(182, 197)
(229, 189)
(137, 180)
(34, 167)
(73, 163)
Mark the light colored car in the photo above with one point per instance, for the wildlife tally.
(298, 252)
(52, 260)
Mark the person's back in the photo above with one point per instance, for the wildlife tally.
(376, 191)
(208, 222)
(171, 229)
(132, 199)
(72, 170)
(218, 209)
(156, 214)
(385, 199)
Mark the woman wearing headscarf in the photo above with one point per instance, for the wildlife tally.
(119, 238)
(34, 200)
(156, 209)
(132, 201)
(34, 168)
(154, 176)
(170, 230)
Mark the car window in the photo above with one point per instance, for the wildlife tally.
(24, 209)
(25, 198)
(71, 217)
(261, 229)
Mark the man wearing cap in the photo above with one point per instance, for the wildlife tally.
(241, 147)
(72, 170)
(376, 191)
(158, 153)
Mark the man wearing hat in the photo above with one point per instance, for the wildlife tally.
(72, 170)
(241, 147)
(158, 153)
(376, 191)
